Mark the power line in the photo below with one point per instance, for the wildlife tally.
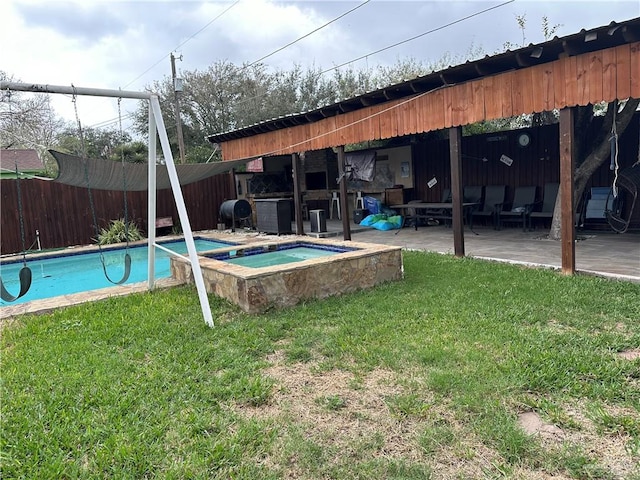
(355, 122)
(310, 33)
(418, 36)
(187, 40)
(395, 44)
(112, 121)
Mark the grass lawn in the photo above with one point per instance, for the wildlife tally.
(442, 375)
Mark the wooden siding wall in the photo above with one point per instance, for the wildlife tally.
(593, 77)
(537, 164)
(62, 214)
(534, 165)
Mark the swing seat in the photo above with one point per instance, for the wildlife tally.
(126, 273)
(628, 183)
(25, 283)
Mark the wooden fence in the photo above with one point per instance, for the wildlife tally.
(62, 214)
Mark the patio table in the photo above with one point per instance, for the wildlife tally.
(432, 210)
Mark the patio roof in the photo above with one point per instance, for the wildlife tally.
(585, 41)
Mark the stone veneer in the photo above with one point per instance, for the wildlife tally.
(256, 290)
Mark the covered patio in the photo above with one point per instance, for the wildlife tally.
(589, 67)
(601, 253)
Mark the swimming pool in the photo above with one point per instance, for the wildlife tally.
(74, 272)
(333, 268)
(274, 254)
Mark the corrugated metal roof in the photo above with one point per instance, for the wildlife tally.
(579, 43)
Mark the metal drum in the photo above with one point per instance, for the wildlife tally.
(234, 211)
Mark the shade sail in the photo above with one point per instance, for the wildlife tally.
(102, 174)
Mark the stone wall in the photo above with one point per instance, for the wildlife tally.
(256, 290)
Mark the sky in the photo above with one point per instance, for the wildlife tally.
(117, 44)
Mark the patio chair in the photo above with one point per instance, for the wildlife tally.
(548, 203)
(599, 202)
(628, 185)
(493, 203)
(524, 199)
(472, 194)
(415, 216)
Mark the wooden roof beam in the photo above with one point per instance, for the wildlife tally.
(484, 69)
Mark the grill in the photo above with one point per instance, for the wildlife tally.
(235, 212)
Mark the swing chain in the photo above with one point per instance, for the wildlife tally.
(124, 176)
(18, 191)
(127, 257)
(83, 154)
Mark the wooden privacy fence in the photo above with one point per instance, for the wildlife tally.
(62, 213)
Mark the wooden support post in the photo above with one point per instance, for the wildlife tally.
(344, 203)
(567, 222)
(232, 184)
(455, 158)
(297, 205)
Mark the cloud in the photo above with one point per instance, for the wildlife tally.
(126, 44)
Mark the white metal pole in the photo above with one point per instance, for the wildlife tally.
(155, 119)
(71, 90)
(182, 211)
(151, 201)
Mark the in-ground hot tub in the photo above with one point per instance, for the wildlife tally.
(283, 273)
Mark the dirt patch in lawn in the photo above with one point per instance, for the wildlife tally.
(630, 354)
(609, 448)
(353, 418)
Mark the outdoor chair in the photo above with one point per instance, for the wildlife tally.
(600, 202)
(524, 199)
(493, 203)
(472, 194)
(548, 204)
(415, 216)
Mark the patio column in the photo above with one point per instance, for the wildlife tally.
(232, 183)
(455, 158)
(567, 222)
(297, 204)
(344, 203)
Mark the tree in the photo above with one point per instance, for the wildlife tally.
(28, 121)
(98, 142)
(591, 144)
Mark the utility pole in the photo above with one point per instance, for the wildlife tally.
(177, 88)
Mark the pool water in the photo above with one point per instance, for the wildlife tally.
(277, 255)
(81, 272)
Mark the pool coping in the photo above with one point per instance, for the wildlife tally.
(48, 304)
(257, 289)
(242, 239)
(356, 250)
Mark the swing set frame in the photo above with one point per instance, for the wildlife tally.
(156, 130)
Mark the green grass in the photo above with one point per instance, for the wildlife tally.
(422, 378)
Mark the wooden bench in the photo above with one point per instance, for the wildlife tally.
(164, 223)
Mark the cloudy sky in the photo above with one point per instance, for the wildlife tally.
(127, 44)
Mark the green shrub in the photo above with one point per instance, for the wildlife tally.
(119, 231)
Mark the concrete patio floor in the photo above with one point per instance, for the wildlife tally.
(603, 253)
